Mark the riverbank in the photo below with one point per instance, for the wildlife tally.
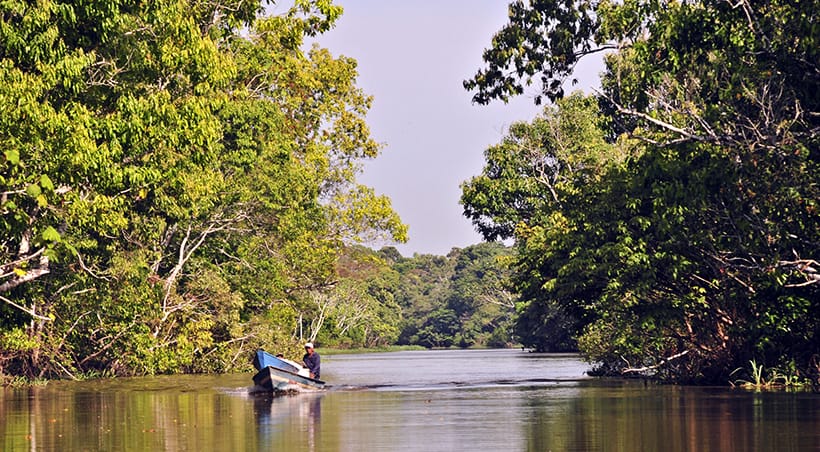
(330, 351)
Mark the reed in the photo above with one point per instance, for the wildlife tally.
(757, 381)
(16, 381)
(773, 379)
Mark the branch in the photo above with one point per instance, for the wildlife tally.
(88, 270)
(243, 262)
(29, 311)
(806, 267)
(184, 254)
(67, 372)
(602, 48)
(648, 368)
(29, 276)
(27, 258)
(503, 298)
(105, 347)
(659, 123)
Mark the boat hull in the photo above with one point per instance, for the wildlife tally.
(273, 379)
(263, 359)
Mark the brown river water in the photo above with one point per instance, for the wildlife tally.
(452, 400)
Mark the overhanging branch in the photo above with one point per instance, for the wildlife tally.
(655, 366)
(29, 311)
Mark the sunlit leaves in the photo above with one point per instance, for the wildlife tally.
(692, 249)
(12, 156)
(161, 158)
(50, 235)
(543, 40)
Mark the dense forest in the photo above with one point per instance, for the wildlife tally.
(383, 298)
(178, 180)
(671, 220)
(178, 187)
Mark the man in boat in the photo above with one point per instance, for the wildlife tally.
(301, 370)
(312, 361)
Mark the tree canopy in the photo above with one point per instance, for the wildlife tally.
(175, 179)
(693, 247)
(461, 299)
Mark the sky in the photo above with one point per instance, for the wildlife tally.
(412, 58)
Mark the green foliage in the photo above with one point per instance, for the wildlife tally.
(542, 37)
(539, 167)
(699, 251)
(175, 178)
(460, 299)
(383, 298)
(531, 180)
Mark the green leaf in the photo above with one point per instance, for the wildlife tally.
(12, 156)
(46, 183)
(50, 235)
(33, 190)
(52, 255)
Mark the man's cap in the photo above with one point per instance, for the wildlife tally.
(309, 345)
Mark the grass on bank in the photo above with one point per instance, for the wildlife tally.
(770, 379)
(15, 381)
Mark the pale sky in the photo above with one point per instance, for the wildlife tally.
(413, 57)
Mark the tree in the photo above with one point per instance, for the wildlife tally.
(461, 299)
(539, 166)
(545, 38)
(530, 185)
(174, 178)
(422, 289)
(479, 295)
(360, 309)
(701, 253)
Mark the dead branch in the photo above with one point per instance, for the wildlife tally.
(503, 298)
(29, 276)
(29, 311)
(808, 267)
(655, 366)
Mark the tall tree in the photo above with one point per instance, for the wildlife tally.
(480, 295)
(174, 176)
(702, 252)
(531, 184)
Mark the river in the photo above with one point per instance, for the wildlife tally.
(450, 400)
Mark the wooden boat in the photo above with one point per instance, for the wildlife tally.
(275, 374)
(263, 359)
(273, 379)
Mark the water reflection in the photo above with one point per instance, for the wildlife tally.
(278, 416)
(167, 413)
(623, 416)
(497, 400)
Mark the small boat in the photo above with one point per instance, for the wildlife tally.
(277, 374)
(273, 379)
(263, 359)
